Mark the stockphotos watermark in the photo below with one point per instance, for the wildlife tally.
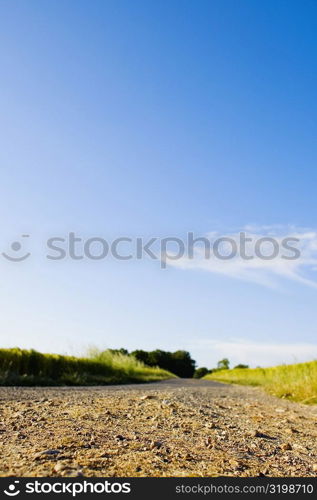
(72, 488)
(242, 246)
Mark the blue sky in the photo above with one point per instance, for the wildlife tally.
(153, 119)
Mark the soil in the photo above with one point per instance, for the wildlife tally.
(171, 428)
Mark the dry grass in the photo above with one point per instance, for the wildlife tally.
(131, 367)
(22, 367)
(296, 382)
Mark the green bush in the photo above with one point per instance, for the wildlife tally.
(201, 372)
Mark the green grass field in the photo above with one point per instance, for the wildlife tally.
(22, 367)
(295, 382)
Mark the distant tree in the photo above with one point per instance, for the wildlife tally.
(241, 365)
(163, 359)
(223, 364)
(184, 364)
(201, 372)
(119, 351)
(142, 356)
(180, 362)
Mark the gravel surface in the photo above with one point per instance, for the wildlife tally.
(171, 428)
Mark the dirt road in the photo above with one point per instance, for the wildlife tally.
(171, 428)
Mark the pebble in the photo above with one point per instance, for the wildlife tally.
(59, 467)
(286, 446)
(50, 452)
(155, 444)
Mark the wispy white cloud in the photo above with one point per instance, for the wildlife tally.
(254, 353)
(265, 272)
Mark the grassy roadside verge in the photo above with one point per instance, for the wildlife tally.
(296, 382)
(28, 368)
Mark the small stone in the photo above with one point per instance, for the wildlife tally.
(208, 441)
(291, 430)
(260, 434)
(46, 453)
(155, 444)
(72, 473)
(210, 425)
(286, 446)
(314, 467)
(234, 463)
(59, 467)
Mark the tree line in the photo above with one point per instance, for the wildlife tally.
(223, 364)
(179, 362)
